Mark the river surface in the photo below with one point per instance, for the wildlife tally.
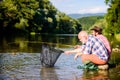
(20, 60)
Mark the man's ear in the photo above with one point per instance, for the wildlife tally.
(96, 33)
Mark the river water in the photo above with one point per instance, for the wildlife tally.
(20, 60)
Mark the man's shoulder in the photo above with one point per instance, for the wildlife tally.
(91, 36)
(101, 36)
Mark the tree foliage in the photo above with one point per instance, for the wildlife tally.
(16, 13)
(38, 16)
(113, 17)
(88, 22)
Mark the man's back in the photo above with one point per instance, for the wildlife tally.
(105, 41)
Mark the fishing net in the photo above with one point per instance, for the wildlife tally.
(49, 55)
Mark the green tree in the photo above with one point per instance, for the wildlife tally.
(37, 16)
(113, 17)
(88, 22)
(17, 13)
(50, 20)
(45, 18)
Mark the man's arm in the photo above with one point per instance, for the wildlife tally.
(73, 51)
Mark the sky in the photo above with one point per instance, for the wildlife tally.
(80, 6)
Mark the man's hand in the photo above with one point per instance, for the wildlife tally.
(67, 52)
(77, 46)
(76, 56)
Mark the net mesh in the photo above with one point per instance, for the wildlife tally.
(49, 55)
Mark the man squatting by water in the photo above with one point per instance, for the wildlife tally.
(92, 49)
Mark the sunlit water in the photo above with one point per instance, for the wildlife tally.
(26, 66)
(20, 60)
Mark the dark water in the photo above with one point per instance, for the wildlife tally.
(20, 60)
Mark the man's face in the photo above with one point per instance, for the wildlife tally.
(94, 33)
(82, 38)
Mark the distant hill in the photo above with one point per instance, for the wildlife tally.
(85, 15)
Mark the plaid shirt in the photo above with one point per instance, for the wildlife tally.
(95, 46)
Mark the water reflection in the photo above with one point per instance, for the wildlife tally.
(48, 74)
(21, 66)
(3, 75)
(1, 63)
(20, 60)
(95, 75)
(33, 43)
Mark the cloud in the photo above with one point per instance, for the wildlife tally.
(94, 10)
(80, 6)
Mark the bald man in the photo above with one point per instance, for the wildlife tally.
(92, 49)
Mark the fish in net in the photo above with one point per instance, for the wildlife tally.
(49, 55)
